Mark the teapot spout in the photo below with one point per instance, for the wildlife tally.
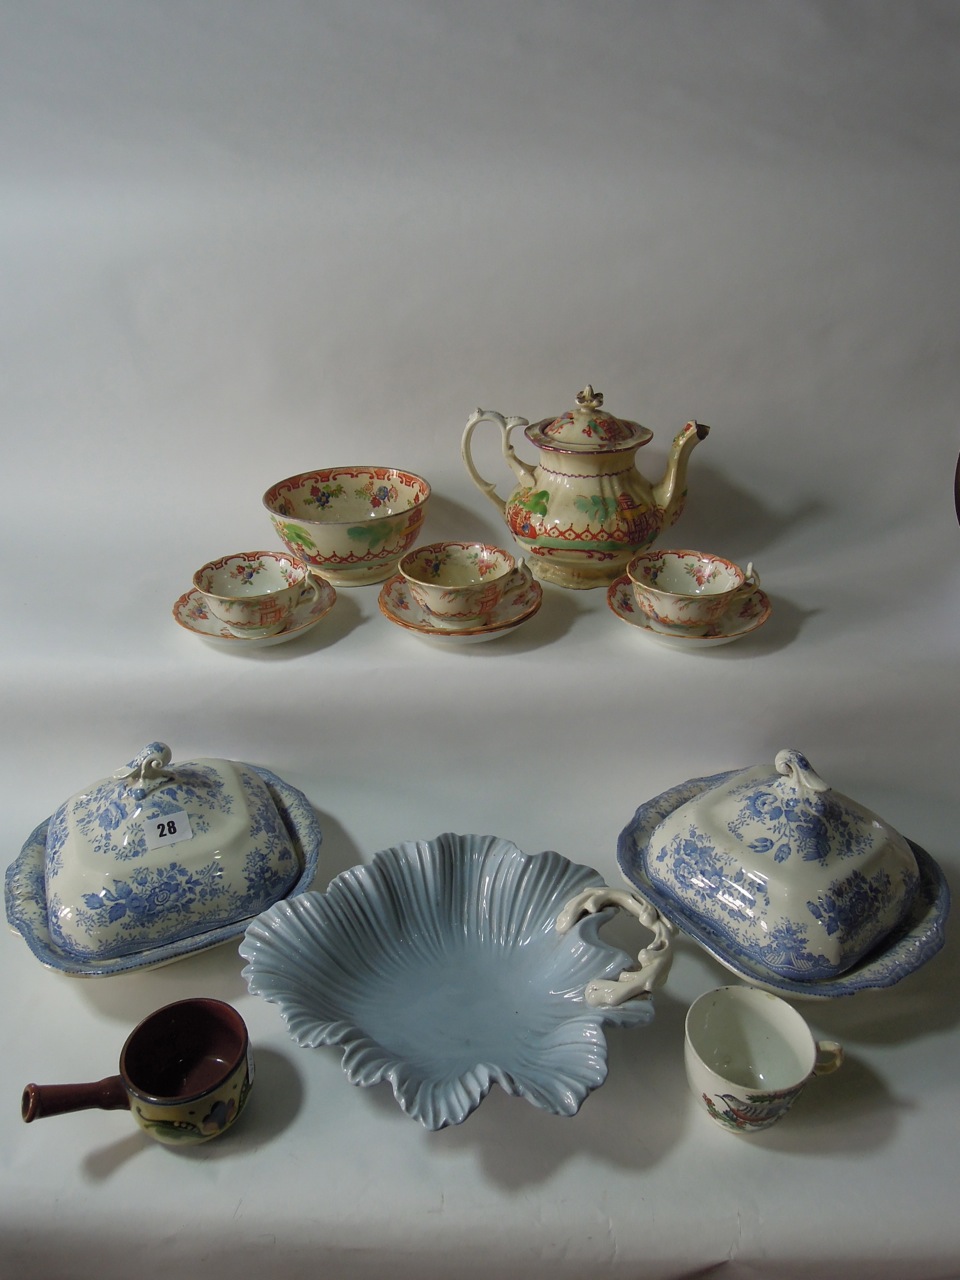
(671, 491)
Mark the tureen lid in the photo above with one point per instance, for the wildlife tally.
(157, 853)
(587, 429)
(792, 877)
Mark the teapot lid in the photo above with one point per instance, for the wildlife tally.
(587, 429)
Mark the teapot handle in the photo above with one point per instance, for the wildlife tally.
(654, 960)
(523, 472)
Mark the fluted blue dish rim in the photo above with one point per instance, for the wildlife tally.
(466, 902)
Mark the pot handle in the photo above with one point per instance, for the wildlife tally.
(653, 961)
(56, 1099)
(523, 472)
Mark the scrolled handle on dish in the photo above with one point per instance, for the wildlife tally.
(653, 961)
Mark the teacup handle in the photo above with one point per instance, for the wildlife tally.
(309, 590)
(829, 1057)
(520, 576)
(654, 960)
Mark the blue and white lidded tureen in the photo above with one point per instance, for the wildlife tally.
(774, 871)
(159, 853)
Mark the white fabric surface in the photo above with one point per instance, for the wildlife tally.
(239, 241)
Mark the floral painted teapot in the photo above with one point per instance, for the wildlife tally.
(584, 510)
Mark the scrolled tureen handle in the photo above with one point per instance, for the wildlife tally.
(653, 961)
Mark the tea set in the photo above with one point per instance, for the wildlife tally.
(582, 517)
(799, 891)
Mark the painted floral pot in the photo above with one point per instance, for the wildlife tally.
(185, 1074)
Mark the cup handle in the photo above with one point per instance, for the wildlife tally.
(309, 591)
(520, 577)
(829, 1057)
(653, 961)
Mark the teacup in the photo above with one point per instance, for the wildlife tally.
(458, 583)
(254, 593)
(185, 1073)
(748, 1055)
(687, 588)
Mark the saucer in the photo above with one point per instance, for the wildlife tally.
(518, 603)
(750, 612)
(192, 614)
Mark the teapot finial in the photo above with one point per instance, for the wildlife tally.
(589, 399)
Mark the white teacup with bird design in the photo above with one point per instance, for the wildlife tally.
(748, 1055)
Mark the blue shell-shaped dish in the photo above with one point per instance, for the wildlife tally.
(26, 898)
(914, 941)
(439, 968)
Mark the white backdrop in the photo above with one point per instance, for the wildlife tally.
(240, 241)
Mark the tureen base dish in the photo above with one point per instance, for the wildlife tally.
(447, 965)
(788, 884)
(172, 909)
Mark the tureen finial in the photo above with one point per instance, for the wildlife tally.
(795, 766)
(146, 771)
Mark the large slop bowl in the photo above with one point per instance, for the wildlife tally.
(350, 524)
(441, 967)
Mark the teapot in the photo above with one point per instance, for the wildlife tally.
(584, 511)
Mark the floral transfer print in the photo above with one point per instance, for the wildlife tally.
(812, 824)
(156, 903)
(133, 901)
(725, 898)
(431, 562)
(812, 924)
(247, 571)
(296, 536)
(849, 903)
(378, 493)
(709, 877)
(610, 522)
(321, 495)
(602, 428)
(104, 816)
